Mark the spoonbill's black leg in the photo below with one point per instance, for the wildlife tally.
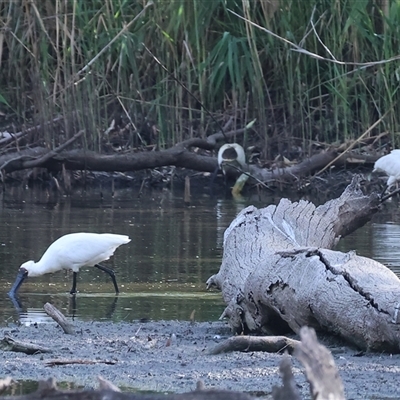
(73, 289)
(113, 307)
(384, 190)
(111, 273)
(72, 307)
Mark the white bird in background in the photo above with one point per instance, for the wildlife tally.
(231, 154)
(73, 251)
(390, 165)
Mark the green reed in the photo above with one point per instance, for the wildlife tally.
(94, 61)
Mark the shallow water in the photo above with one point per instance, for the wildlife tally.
(174, 249)
(161, 272)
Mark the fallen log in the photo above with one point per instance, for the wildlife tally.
(278, 273)
(182, 155)
(270, 344)
(178, 156)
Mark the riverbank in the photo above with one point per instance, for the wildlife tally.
(171, 356)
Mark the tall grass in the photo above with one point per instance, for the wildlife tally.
(98, 60)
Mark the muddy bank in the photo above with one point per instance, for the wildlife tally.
(170, 356)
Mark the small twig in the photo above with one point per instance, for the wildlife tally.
(138, 330)
(317, 36)
(250, 176)
(52, 153)
(389, 195)
(130, 120)
(35, 162)
(53, 363)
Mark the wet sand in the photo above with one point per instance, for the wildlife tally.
(171, 356)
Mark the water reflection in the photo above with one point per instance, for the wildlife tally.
(161, 273)
(380, 241)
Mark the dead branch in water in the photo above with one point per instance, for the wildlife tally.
(59, 317)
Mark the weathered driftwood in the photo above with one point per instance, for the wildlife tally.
(59, 317)
(289, 388)
(9, 344)
(278, 272)
(321, 371)
(271, 344)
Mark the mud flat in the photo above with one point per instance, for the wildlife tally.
(171, 356)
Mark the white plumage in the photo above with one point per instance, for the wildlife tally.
(231, 154)
(73, 251)
(390, 165)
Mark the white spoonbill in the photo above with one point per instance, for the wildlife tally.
(231, 154)
(390, 165)
(73, 251)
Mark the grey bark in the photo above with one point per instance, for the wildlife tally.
(10, 344)
(320, 368)
(279, 272)
(60, 318)
(271, 344)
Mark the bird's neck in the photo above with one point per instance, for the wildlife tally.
(39, 268)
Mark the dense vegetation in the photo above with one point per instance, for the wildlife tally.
(162, 72)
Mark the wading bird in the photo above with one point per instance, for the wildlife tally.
(231, 154)
(390, 165)
(73, 251)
